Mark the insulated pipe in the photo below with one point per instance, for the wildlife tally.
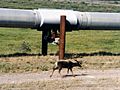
(50, 19)
(98, 20)
(41, 18)
(17, 18)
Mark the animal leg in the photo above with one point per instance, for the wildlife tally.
(68, 71)
(60, 71)
(72, 72)
(53, 71)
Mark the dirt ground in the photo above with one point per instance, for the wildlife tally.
(99, 73)
(84, 80)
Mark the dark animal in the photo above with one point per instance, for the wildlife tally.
(65, 64)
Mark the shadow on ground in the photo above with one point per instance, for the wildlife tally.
(67, 55)
(19, 54)
(75, 75)
(80, 55)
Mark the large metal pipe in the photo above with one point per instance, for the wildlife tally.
(17, 18)
(98, 20)
(50, 19)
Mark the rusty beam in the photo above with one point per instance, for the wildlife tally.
(62, 37)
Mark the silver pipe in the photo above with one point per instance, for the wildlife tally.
(17, 18)
(50, 19)
(99, 20)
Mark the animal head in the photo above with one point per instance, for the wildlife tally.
(79, 63)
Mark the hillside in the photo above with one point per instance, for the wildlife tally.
(80, 5)
(89, 1)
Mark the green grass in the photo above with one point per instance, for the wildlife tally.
(11, 40)
(80, 6)
(14, 40)
(93, 41)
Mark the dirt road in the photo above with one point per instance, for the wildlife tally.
(85, 79)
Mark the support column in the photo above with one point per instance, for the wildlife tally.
(62, 37)
(44, 42)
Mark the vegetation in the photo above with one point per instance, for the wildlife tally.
(93, 41)
(81, 43)
(25, 64)
(13, 41)
(17, 41)
(62, 84)
(39, 63)
(80, 6)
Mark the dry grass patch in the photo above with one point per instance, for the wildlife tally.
(66, 84)
(41, 63)
(26, 64)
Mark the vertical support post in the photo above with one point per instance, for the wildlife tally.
(44, 42)
(62, 37)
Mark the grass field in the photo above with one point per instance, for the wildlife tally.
(80, 6)
(14, 40)
(19, 41)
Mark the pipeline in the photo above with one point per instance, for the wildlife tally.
(50, 19)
